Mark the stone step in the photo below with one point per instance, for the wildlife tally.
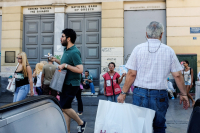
(88, 94)
(89, 90)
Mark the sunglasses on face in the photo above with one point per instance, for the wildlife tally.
(18, 58)
(64, 36)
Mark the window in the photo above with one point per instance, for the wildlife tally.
(9, 56)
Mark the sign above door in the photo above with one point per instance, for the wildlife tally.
(144, 5)
(83, 8)
(38, 10)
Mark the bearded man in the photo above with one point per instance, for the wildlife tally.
(71, 60)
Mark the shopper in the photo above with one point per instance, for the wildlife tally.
(23, 78)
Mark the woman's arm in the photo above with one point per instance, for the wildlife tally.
(30, 79)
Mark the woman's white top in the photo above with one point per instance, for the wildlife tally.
(187, 76)
(38, 84)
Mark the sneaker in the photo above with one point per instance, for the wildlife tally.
(79, 113)
(92, 94)
(81, 129)
(172, 98)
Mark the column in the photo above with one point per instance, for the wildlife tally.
(58, 27)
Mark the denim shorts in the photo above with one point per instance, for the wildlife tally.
(187, 83)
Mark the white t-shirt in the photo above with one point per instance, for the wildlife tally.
(170, 86)
(38, 84)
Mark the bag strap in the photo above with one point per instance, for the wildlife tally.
(16, 68)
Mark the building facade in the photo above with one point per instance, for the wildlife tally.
(106, 31)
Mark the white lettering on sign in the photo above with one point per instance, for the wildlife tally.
(144, 6)
(84, 8)
(38, 10)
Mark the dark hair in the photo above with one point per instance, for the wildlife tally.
(111, 63)
(186, 62)
(87, 71)
(49, 60)
(70, 33)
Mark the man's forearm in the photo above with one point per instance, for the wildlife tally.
(57, 61)
(130, 78)
(181, 85)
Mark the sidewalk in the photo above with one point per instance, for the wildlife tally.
(177, 118)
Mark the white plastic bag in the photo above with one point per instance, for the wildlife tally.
(11, 85)
(123, 118)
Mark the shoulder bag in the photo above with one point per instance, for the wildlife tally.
(11, 85)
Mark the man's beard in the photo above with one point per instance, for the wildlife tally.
(65, 43)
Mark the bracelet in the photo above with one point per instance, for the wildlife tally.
(182, 94)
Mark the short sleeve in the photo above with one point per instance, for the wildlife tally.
(132, 61)
(43, 70)
(76, 59)
(118, 76)
(104, 76)
(175, 65)
(91, 78)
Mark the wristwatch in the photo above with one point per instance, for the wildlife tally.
(123, 93)
(66, 65)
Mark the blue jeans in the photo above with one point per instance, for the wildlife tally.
(39, 90)
(155, 100)
(21, 93)
(92, 88)
(113, 98)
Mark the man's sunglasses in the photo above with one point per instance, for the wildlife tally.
(64, 36)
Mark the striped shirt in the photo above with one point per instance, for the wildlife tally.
(153, 69)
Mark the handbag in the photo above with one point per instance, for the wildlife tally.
(58, 80)
(114, 117)
(11, 85)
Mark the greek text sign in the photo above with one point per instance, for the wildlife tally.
(194, 29)
(38, 10)
(83, 8)
(144, 6)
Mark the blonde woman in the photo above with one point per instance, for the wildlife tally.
(23, 78)
(38, 73)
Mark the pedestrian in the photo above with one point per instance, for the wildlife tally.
(111, 83)
(188, 78)
(87, 82)
(71, 60)
(80, 103)
(170, 89)
(47, 75)
(149, 66)
(23, 78)
(38, 73)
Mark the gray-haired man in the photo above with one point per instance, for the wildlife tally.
(149, 66)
